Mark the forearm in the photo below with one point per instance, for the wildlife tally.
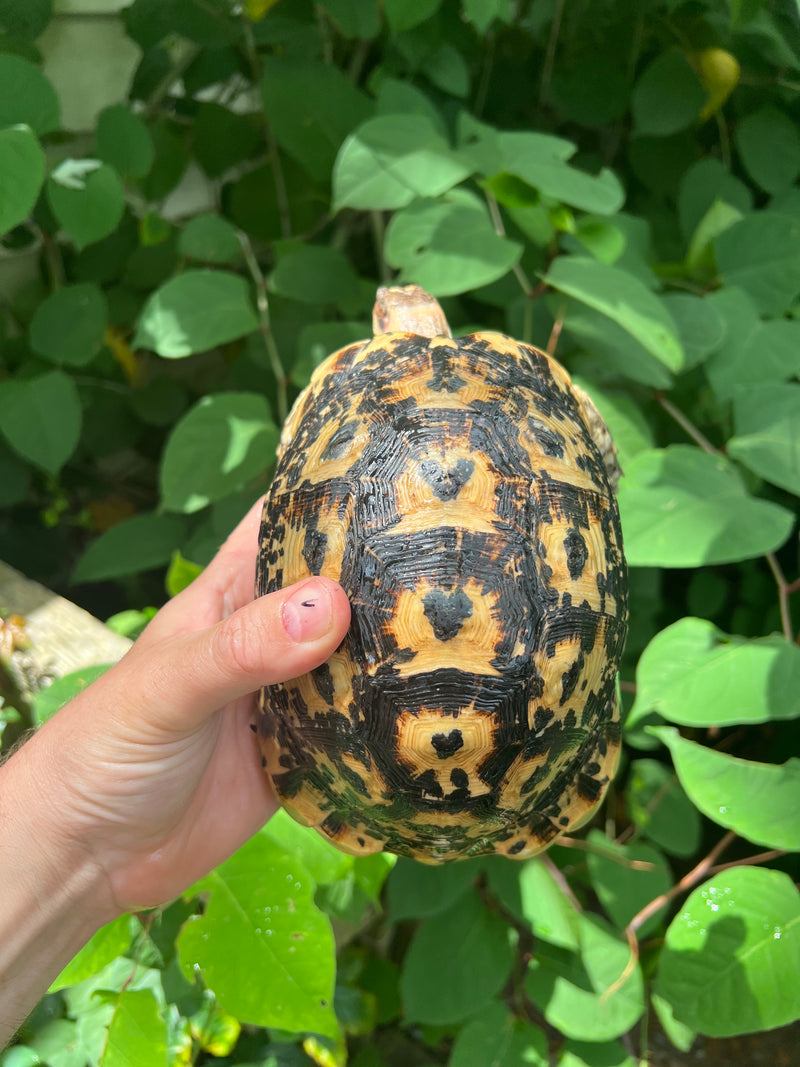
(53, 896)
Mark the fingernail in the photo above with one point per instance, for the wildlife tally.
(308, 612)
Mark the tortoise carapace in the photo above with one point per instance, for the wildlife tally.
(462, 492)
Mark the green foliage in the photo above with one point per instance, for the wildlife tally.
(615, 182)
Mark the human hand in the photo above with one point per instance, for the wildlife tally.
(153, 770)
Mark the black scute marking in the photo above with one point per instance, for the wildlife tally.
(340, 440)
(446, 482)
(550, 441)
(447, 744)
(577, 553)
(314, 545)
(446, 612)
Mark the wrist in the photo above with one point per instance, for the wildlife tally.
(55, 896)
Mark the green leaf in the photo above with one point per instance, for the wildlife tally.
(448, 70)
(624, 890)
(354, 18)
(222, 138)
(572, 989)
(141, 543)
(220, 444)
(769, 147)
(667, 97)
(706, 181)
(26, 96)
(315, 274)
(180, 573)
(54, 696)
(417, 891)
(123, 140)
(478, 947)
(311, 107)
(87, 199)
(660, 808)
(57, 1044)
(758, 801)
(25, 18)
(591, 1054)
(752, 351)
(700, 261)
(695, 675)
(681, 507)
(21, 175)
(210, 238)
(194, 312)
(761, 254)
(391, 159)
(495, 1038)
(731, 957)
(40, 417)
(482, 13)
(448, 246)
(529, 891)
(109, 942)
(261, 944)
(541, 161)
(322, 860)
(701, 328)
(68, 326)
(405, 14)
(767, 439)
(622, 298)
(137, 1035)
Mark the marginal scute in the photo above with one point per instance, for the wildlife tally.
(461, 490)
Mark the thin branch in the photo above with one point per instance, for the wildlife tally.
(550, 55)
(265, 324)
(783, 595)
(686, 425)
(697, 873)
(608, 853)
(751, 861)
(562, 883)
(281, 191)
(379, 239)
(555, 333)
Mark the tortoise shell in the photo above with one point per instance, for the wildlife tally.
(460, 490)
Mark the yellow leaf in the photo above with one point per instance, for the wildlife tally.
(719, 73)
(257, 9)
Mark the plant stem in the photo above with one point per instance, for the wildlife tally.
(378, 236)
(606, 853)
(273, 154)
(751, 861)
(550, 55)
(262, 304)
(695, 875)
(783, 595)
(686, 424)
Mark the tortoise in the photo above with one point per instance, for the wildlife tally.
(462, 492)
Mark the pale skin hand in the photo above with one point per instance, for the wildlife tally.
(151, 777)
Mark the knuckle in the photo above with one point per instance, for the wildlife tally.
(237, 645)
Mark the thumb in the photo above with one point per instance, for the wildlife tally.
(182, 680)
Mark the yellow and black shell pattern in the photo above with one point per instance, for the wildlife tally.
(457, 489)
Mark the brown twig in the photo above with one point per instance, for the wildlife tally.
(265, 324)
(608, 853)
(695, 875)
(783, 595)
